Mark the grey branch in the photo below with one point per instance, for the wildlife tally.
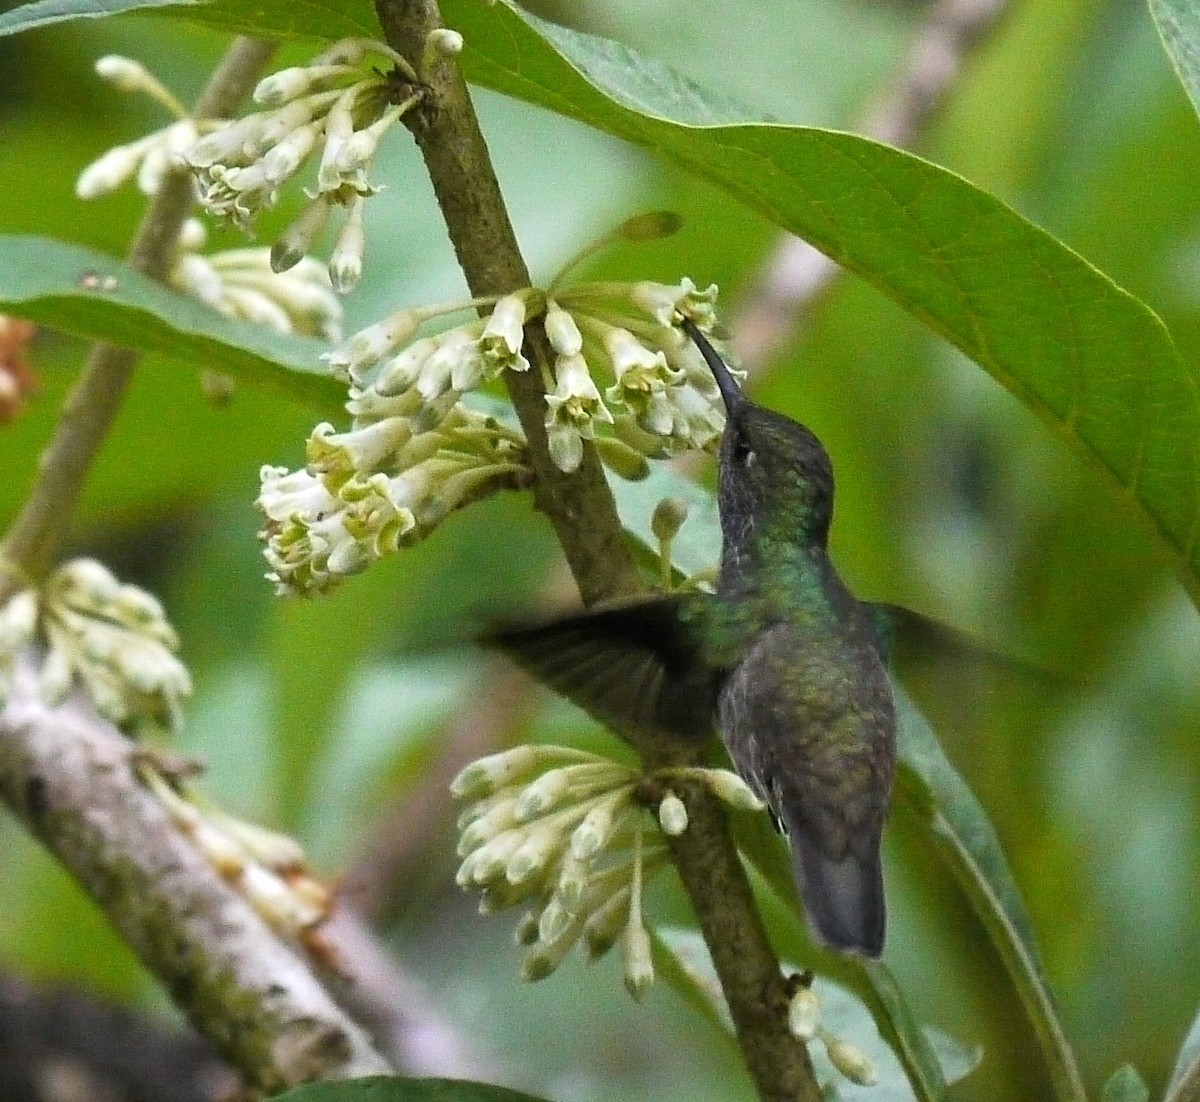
(68, 775)
(797, 273)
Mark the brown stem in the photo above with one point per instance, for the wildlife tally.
(582, 511)
(32, 543)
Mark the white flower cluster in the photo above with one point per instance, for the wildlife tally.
(401, 469)
(240, 283)
(415, 452)
(267, 869)
(662, 399)
(112, 640)
(334, 104)
(804, 1022)
(565, 832)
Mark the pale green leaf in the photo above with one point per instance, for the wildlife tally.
(92, 295)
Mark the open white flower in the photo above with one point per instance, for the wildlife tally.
(572, 411)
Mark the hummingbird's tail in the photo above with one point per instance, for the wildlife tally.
(844, 898)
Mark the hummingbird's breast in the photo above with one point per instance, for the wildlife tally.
(808, 718)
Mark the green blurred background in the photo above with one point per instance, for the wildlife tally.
(325, 716)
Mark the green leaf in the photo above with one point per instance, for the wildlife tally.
(315, 19)
(91, 295)
(1178, 23)
(689, 970)
(967, 843)
(389, 1089)
(1125, 1085)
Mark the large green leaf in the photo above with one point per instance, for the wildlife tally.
(91, 295)
(388, 1089)
(1178, 23)
(1091, 360)
(315, 19)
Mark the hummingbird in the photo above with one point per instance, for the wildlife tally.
(782, 659)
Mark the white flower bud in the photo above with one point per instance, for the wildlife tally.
(298, 238)
(109, 171)
(455, 356)
(637, 963)
(402, 371)
(489, 774)
(288, 84)
(731, 789)
(339, 126)
(534, 854)
(346, 260)
(553, 922)
(55, 677)
(496, 820)
(18, 620)
(489, 862)
(598, 826)
(851, 1061)
(284, 159)
(368, 346)
(124, 73)
(561, 331)
(672, 815)
(573, 880)
(541, 795)
(804, 1014)
(195, 275)
(444, 41)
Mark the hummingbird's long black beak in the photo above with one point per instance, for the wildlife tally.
(731, 393)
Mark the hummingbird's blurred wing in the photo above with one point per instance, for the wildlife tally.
(632, 665)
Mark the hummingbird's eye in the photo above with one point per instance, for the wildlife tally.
(743, 454)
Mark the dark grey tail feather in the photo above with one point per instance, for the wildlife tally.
(843, 899)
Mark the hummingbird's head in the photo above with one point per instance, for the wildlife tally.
(773, 474)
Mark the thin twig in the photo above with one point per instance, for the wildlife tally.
(797, 273)
(582, 511)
